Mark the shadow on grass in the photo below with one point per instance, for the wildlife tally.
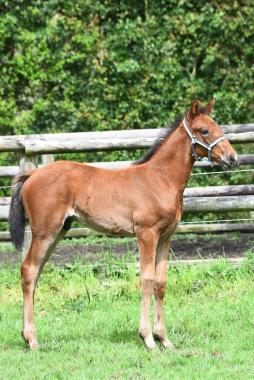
(55, 344)
(14, 344)
(123, 336)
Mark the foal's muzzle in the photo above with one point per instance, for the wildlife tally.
(229, 161)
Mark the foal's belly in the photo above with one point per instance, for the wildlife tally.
(107, 224)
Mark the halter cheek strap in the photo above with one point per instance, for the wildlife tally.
(208, 147)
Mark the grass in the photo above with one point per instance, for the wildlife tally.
(87, 320)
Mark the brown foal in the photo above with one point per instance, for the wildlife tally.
(145, 199)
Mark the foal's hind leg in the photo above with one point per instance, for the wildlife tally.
(160, 331)
(147, 240)
(31, 268)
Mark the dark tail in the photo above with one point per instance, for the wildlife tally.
(17, 217)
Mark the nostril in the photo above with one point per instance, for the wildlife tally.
(233, 159)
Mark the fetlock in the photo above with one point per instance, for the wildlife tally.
(160, 334)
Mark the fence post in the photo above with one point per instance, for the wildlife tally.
(47, 159)
(27, 163)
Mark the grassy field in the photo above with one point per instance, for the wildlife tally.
(88, 316)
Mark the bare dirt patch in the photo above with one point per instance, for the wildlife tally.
(213, 246)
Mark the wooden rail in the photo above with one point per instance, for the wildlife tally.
(39, 146)
(213, 191)
(200, 228)
(12, 171)
(195, 204)
(209, 191)
(107, 140)
(219, 204)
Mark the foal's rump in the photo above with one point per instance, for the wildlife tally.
(49, 194)
(41, 197)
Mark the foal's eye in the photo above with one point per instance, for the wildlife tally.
(204, 131)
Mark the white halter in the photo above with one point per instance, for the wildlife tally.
(195, 141)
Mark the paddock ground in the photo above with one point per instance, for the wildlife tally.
(94, 249)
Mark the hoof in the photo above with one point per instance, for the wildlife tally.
(165, 342)
(149, 341)
(31, 342)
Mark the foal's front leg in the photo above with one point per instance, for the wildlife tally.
(147, 240)
(160, 331)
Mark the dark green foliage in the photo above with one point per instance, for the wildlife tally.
(99, 65)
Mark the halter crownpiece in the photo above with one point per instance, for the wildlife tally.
(195, 141)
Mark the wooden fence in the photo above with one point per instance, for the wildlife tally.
(210, 199)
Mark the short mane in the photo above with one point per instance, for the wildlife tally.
(167, 131)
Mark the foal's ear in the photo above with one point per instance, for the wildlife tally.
(195, 109)
(209, 106)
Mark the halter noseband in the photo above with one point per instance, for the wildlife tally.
(195, 141)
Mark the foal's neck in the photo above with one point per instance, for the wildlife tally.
(173, 160)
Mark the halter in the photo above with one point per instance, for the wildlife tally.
(195, 141)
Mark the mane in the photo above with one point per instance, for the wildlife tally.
(165, 134)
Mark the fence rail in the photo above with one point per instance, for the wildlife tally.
(194, 204)
(107, 140)
(39, 146)
(190, 192)
(201, 228)
(12, 171)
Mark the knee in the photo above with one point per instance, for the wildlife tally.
(159, 289)
(147, 284)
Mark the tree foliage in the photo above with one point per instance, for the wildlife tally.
(98, 65)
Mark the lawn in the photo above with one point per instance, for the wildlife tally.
(88, 315)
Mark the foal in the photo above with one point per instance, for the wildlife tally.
(145, 199)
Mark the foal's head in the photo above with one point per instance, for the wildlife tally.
(207, 136)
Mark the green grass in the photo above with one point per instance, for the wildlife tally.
(87, 321)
